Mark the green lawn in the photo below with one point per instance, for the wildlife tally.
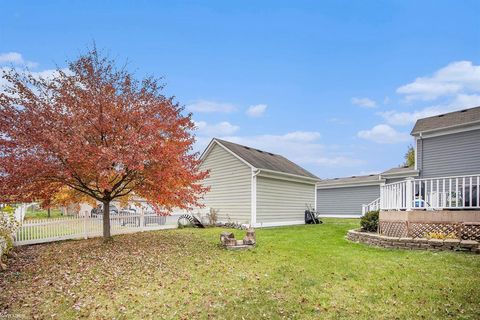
(33, 213)
(304, 272)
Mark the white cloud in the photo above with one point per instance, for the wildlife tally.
(364, 102)
(384, 134)
(461, 101)
(214, 130)
(257, 110)
(205, 106)
(456, 78)
(16, 59)
(453, 87)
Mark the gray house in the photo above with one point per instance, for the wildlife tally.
(255, 187)
(446, 146)
(343, 197)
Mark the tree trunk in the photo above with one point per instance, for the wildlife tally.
(48, 212)
(106, 220)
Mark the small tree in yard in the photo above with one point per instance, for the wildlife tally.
(410, 157)
(96, 131)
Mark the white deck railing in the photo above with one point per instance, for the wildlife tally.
(372, 206)
(458, 192)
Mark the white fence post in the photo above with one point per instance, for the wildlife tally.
(142, 218)
(85, 230)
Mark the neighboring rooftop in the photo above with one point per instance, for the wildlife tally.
(371, 178)
(266, 160)
(399, 171)
(447, 120)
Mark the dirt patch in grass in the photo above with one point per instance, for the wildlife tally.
(295, 272)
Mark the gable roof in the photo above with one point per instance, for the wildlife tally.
(447, 120)
(264, 160)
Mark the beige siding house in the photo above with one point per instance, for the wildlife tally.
(255, 187)
(230, 182)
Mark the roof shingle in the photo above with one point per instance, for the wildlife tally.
(372, 178)
(447, 120)
(266, 160)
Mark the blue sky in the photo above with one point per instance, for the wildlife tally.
(334, 85)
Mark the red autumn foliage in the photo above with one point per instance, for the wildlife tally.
(95, 129)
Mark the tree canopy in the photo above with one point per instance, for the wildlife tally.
(97, 131)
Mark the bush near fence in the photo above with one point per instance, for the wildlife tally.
(8, 227)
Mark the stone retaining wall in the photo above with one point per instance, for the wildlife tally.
(375, 239)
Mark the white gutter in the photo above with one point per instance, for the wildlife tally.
(289, 174)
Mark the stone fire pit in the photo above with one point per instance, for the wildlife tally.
(227, 240)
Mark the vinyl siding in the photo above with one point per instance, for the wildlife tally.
(282, 200)
(450, 155)
(346, 200)
(230, 183)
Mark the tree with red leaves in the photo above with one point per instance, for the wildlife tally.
(96, 131)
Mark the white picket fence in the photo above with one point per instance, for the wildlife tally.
(77, 227)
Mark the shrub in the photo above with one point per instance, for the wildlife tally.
(8, 226)
(212, 217)
(369, 221)
(441, 235)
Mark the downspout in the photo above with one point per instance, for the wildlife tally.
(253, 209)
(419, 169)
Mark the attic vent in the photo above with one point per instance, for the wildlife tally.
(260, 151)
(271, 154)
(441, 115)
(464, 110)
(247, 148)
(335, 178)
(371, 175)
(353, 176)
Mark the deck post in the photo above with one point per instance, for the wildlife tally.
(409, 193)
(382, 196)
